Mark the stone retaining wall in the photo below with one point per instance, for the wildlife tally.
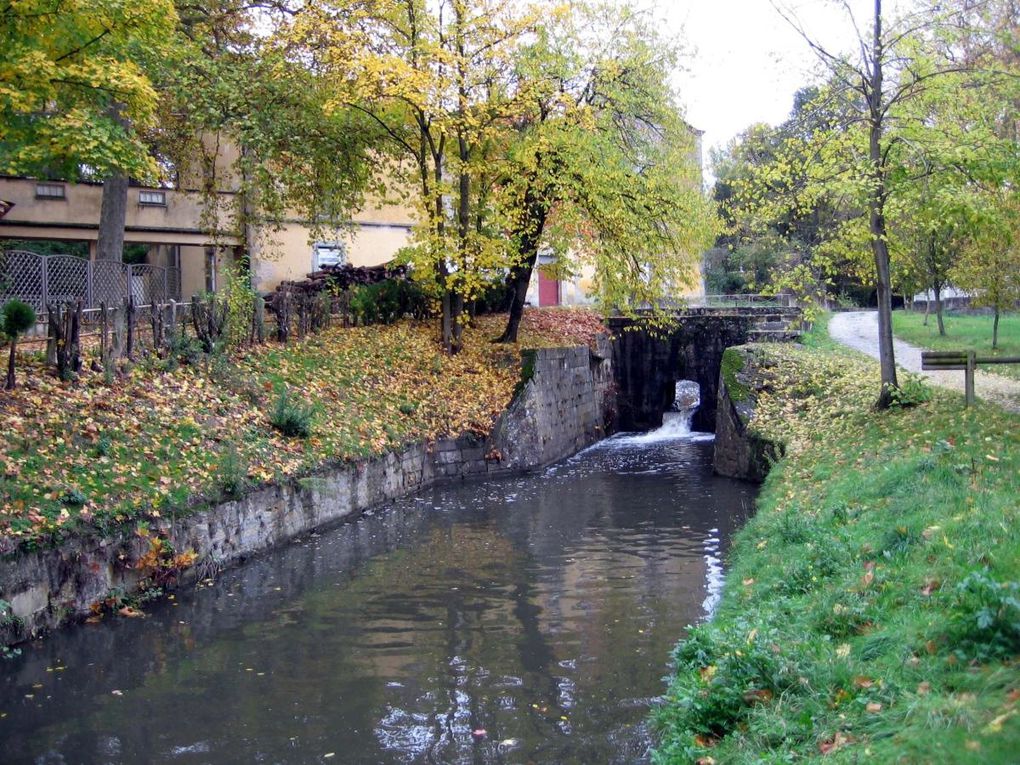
(565, 403)
(739, 451)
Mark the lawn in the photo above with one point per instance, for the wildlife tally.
(168, 437)
(963, 332)
(872, 606)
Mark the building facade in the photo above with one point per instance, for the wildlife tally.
(188, 235)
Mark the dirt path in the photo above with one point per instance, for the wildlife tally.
(859, 330)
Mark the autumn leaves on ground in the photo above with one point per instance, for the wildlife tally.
(87, 454)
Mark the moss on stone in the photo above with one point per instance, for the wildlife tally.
(732, 365)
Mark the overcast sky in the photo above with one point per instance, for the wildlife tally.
(746, 62)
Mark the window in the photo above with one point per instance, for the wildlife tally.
(49, 191)
(328, 254)
(152, 198)
(210, 269)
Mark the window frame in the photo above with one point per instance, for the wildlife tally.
(60, 190)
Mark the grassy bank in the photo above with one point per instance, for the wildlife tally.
(963, 332)
(872, 611)
(170, 435)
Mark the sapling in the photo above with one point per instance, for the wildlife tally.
(16, 318)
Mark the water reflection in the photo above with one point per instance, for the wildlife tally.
(526, 620)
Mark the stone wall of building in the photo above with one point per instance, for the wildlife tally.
(565, 403)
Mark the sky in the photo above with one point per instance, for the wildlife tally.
(746, 62)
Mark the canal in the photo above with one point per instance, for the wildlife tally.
(518, 621)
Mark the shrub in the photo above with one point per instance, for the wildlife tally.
(16, 318)
(292, 418)
(912, 391)
(233, 471)
(387, 301)
(986, 617)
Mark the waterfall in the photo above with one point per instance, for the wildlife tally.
(676, 421)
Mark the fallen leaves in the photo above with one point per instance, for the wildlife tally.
(150, 445)
(833, 743)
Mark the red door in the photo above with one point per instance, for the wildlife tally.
(548, 290)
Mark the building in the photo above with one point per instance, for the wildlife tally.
(179, 240)
(184, 236)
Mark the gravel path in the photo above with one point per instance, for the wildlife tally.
(859, 330)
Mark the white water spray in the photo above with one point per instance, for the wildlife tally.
(676, 421)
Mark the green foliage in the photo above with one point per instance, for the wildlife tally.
(233, 471)
(16, 318)
(240, 300)
(74, 497)
(726, 675)
(912, 390)
(986, 617)
(388, 301)
(292, 418)
(76, 85)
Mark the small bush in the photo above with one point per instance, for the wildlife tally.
(912, 391)
(233, 472)
(292, 418)
(387, 301)
(18, 317)
(185, 348)
(986, 617)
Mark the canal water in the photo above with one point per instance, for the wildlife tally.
(521, 621)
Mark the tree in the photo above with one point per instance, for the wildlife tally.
(602, 170)
(434, 79)
(16, 318)
(989, 267)
(238, 111)
(897, 65)
(926, 238)
(778, 224)
(521, 131)
(73, 97)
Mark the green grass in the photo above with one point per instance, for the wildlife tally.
(962, 333)
(871, 612)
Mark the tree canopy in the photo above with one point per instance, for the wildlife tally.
(76, 92)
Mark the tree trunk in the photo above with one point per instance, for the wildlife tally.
(877, 223)
(520, 275)
(9, 384)
(938, 310)
(927, 310)
(995, 330)
(112, 218)
(520, 278)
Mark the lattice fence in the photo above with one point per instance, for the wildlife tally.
(40, 280)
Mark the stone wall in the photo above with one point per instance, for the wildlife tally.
(564, 404)
(739, 451)
(647, 365)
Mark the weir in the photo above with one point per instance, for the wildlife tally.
(647, 365)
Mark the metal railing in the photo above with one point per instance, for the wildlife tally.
(40, 280)
(742, 301)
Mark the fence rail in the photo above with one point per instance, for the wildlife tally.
(40, 280)
(742, 301)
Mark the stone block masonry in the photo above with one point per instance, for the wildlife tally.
(565, 402)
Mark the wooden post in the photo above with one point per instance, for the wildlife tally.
(129, 311)
(968, 382)
(104, 346)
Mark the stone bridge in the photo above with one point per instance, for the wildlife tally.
(647, 365)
